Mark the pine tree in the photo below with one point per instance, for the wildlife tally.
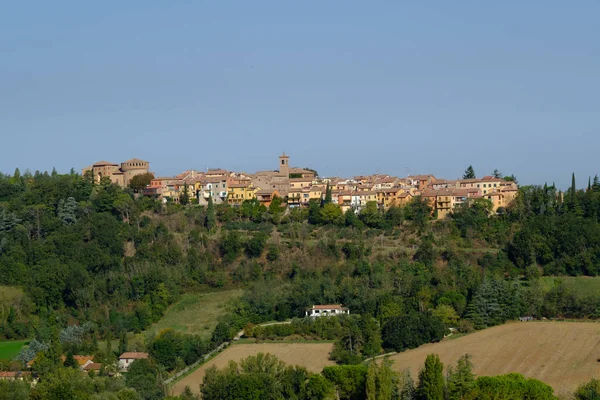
(406, 386)
(469, 173)
(596, 184)
(461, 380)
(573, 187)
(497, 174)
(70, 361)
(431, 379)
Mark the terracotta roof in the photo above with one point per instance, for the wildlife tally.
(135, 160)
(328, 307)
(102, 163)
(93, 367)
(135, 355)
(13, 374)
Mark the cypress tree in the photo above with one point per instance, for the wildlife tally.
(211, 219)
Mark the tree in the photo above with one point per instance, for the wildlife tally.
(67, 211)
(331, 214)
(497, 174)
(431, 379)
(314, 212)
(221, 334)
(328, 198)
(143, 377)
(184, 197)
(349, 380)
(379, 381)
(469, 173)
(275, 206)
(139, 182)
(123, 342)
(588, 391)
(461, 380)
(70, 361)
(211, 220)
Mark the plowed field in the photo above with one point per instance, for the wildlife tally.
(312, 356)
(562, 354)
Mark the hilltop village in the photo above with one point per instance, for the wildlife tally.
(298, 186)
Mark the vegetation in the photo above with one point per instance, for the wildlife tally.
(83, 262)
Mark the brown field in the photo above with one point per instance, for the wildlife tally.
(562, 354)
(312, 356)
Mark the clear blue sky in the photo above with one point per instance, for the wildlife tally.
(345, 87)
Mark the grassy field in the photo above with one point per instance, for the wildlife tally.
(562, 354)
(312, 356)
(196, 313)
(580, 285)
(9, 350)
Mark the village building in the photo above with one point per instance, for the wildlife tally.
(327, 310)
(127, 358)
(119, 174)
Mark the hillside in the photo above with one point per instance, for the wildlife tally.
(562, 354)
(313, 356)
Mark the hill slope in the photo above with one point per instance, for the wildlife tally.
(562, 354)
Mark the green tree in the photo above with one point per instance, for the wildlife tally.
(275, 206)
(469, 173)
(497, 174)
(210, 220)
(461, 380)
(314, 212)
(123, 342)
(431, 379)
(139, 182)
(328, 196)
(184, 196)
(588, 391)
(380, 381)
(63, 384)
(349, 380)
(143, 377)
(70, 361)
(332, 214)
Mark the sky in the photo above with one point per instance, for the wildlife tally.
(344, 87)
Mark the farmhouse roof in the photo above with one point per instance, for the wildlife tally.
(328, 307)
(135, 355)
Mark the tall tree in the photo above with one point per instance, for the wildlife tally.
(461, 380)
(184, 197)
(328, 198)
(497, 174)
(431, 379)
(469, 173)
(211, 219)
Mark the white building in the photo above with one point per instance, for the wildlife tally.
(326, 310)
(126, 359)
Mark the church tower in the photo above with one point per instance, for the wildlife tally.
(284, 165)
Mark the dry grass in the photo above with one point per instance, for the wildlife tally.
(562, 354)
(196, 313)
(312, 356)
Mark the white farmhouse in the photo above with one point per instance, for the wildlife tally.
(325, 310)
(127, 358)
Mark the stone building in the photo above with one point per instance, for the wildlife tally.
(119, 174)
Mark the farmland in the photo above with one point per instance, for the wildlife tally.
(9, 350)
(313, 356)
(196, 313)
(581, 286)
(562, 354)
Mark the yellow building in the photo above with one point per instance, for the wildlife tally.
(240, 192)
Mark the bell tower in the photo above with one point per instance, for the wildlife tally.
(284, 165)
